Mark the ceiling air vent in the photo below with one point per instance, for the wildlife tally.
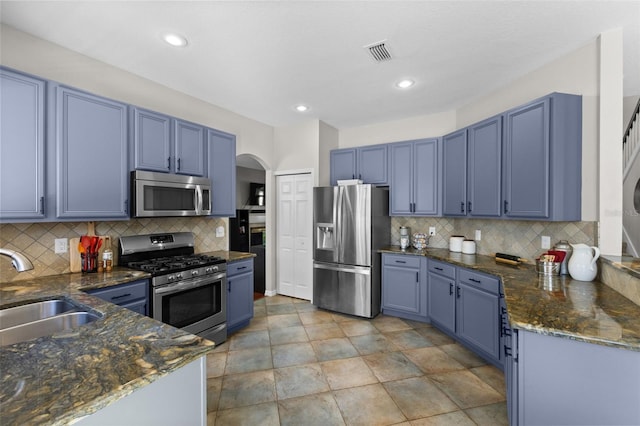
(379, 51)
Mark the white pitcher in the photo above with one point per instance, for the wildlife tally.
(582, 264)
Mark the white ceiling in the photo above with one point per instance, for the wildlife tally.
(261, 58)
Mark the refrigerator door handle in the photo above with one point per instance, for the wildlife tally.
(364, 270)
(338, 257)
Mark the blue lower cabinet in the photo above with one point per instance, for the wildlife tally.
(133, 296)
(239, 294)
(404, 286)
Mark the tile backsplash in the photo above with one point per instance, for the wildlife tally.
(520, 238)
(36, 240)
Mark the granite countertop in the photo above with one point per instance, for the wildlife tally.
(628, 264)
(232, 256)
(559, 306)
(58, 379)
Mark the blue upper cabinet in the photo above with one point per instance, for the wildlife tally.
(151, 140)
(342, 164)
(368, 163)
(189, 148)
(484, 166)
(91, 156)
(221, 154)
(472, 170)
(543, 159)
(165, 144)
(372, 164)
(454, 185)
(22, 146)
(414, 181)
(426, 172)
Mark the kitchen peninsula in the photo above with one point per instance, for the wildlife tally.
(571, 349)
(119, 359)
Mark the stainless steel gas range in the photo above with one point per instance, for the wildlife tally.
(188, 290)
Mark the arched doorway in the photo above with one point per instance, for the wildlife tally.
(250, 230)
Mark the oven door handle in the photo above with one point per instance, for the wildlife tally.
(172, 288)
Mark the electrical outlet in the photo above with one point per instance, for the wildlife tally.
(432, 230)
(220, 231)
(61, 245)
(478, 235)
(545, 242)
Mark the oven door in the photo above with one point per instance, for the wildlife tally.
(196, 305)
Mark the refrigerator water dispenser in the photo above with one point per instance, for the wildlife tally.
(324, 236)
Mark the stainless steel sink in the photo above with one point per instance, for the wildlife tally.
(40, 319)
(33, 312)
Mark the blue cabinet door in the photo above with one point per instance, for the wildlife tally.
(152, 140)
(22, 146)
(425, 177)
(401, 179)
(240, 295)
(454, 191)
(372, 164)
(221, 155)
(484, 167)
(91, 156)
(342, 164)
(189, 148)
(478, 321)
(527, 169)
(414, 179)
(404, 289)
(442, 302)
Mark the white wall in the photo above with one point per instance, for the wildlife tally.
(610, 143)
(296, 147)
(29, 54)
(418, 127)
(328, 140)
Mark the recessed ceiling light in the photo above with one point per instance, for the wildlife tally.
(405, 84)
(302, 108)
(175, 39)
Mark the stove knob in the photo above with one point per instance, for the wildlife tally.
(208, 270)
(171, 278)
(214, 269)
(194, 273)
(179, 275)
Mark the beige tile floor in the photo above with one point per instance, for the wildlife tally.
(297, 365)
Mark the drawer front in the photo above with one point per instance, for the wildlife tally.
(122, 293)
(240, 267)
(402, 260)
(442, 268)
(476, 279)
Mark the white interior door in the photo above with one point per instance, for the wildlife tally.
(294, 239)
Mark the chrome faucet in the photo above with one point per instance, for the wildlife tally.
(19, 261)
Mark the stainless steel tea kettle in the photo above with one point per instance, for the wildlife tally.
(563, 245)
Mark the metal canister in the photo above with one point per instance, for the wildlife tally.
(563, 245)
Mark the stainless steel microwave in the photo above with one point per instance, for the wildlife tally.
(163, 194)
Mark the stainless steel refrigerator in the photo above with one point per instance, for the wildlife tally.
(350, 224)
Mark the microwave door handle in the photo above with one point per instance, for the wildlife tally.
(198, 195)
